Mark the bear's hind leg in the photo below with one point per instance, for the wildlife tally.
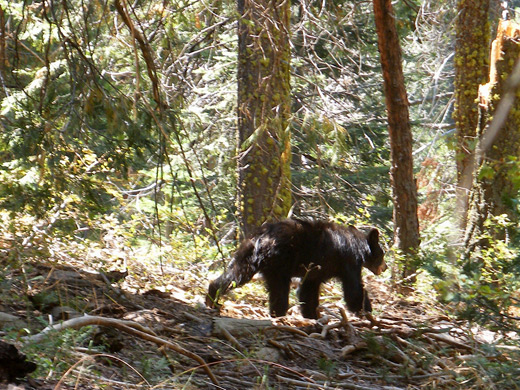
(278, 288)
(309, 295)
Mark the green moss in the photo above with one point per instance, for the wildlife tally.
(267, 166)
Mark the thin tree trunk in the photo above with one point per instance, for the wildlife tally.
(406, 224)
(263, 112)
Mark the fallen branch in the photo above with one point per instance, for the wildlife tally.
(326, 385)
(349, 349)
(325, 330)
(422, 351)
(79, 322)
(129, 327)
(239, 326)
(373, 321)
(229, 337)
(449, 340)
(289, 329)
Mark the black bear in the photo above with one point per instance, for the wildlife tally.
(315, 251)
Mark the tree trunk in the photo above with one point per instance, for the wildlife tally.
(263, 112)
(3, 45)
(496, 183)
(471, 70)
(406, 224)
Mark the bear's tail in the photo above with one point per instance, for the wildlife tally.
(240, 271)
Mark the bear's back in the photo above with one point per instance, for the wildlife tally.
(296, 246)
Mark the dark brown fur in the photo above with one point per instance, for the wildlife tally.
(315, 251)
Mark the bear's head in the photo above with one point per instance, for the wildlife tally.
(375, 261)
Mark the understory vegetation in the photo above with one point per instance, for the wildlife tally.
(118, 153)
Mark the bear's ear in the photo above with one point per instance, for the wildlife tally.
(373, 237)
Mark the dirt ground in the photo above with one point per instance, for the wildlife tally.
(169, 340)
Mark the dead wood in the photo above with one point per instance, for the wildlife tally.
(287, 348)
(129, 327)
(86, 320)
(239, 326)
(326, 384)
(347, 353)
(229, 337)
(289, 329)
(349, 349)
(422, 351)
(450, 340)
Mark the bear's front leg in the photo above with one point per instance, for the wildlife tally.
(278, 287)
(354, 293)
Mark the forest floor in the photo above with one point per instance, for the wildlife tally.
(140, 337)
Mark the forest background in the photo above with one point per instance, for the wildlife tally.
(119, 144)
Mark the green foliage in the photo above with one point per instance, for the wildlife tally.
(327, 366)
(92, 167)
(154, 369)
(489, 287)
(80, 125)
(262, 382)
(339, 131)
(483, 286)
(53, 354)
(66, 127)
(501, 373)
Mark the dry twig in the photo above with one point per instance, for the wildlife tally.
(130, 327)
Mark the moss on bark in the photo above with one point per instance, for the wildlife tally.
(263, 112)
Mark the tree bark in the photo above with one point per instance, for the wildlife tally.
(471, 70)
(406, 224)
(3, 46)
(496, 183)
(263, 112)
